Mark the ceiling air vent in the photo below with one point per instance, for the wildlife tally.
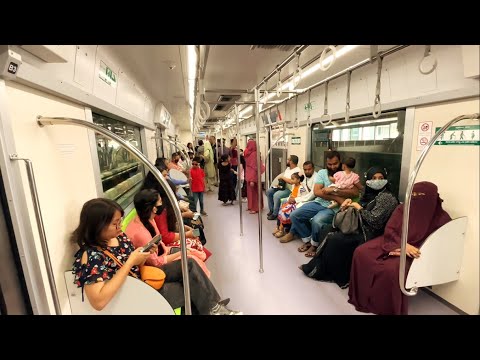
(273, 47)
(225, 107)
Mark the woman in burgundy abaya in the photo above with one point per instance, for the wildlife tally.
(374, 276)
(251, 177)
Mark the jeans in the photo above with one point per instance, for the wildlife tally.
(274, 196)
(301, 224)
(202, 292)
(198, 196)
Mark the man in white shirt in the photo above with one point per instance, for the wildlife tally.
(274, 195)
(308, 183)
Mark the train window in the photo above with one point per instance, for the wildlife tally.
(121, 173)
(369, 141)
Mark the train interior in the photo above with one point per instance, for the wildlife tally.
(379, 104)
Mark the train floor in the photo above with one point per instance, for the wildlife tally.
(282, 288)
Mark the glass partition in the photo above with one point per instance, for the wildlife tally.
(121, 174)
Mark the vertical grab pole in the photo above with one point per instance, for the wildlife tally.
(41, 232)
(239, 171)
(259, 178)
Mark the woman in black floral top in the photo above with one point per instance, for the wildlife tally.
(333, 259)
(100, 222)
(100, 277)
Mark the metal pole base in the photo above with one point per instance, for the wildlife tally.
(260, 270)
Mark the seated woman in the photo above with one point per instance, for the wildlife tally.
(100, 229)
(286, 207)
(374, 277)
(143, 228)
(152, 183)
(333, 260)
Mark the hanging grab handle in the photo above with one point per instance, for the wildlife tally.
(427, 53)
(296, 123)
(347, 101)
(325, 109)
(377, 106)
(333, 50)
(309, 109)
(297, 75)
(279, 85)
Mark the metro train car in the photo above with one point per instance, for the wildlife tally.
(283, 179)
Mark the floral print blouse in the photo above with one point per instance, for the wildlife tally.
(100, 267)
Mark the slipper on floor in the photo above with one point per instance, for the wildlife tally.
(304, 247)
(311, 253)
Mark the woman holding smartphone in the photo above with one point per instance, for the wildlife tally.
(143, 228)
(99, 276)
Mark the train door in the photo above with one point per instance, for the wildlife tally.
(14, 299)
(278, 158)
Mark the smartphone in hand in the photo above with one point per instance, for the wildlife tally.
(196, 232)
(152, 242)
(196, 216)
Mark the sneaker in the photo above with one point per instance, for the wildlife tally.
(244, 200)
(203, 213)
(221, 309)
(269, 213)
(271, 217)
(287, 238)
(224, 301)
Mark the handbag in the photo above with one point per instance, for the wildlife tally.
(347, 221)
(281, 184)
(152, 275)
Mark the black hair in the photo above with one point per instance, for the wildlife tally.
(308, 162)
(159, 161)
(96, 214)
(200, 142)
(298, 176)
(152, 183)
(198, 159)
(350, 162)
(294, 159)
(224, 157)
(144, 202)
(333, 153)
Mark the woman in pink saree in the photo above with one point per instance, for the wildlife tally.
(374, 284)
(251, 177)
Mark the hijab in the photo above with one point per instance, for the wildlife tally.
(426, 216)
(370, 193)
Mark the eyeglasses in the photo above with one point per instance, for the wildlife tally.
(119, 224)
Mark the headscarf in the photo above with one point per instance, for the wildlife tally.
(251, 161)
(370, 193)
(426, 216)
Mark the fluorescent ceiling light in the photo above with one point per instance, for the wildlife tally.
(366, 122)
(192, 74)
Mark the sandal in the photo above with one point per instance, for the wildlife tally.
(304, 247)
(311, 252)
(253, 212)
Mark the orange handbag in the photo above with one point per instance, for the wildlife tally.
(152, 275)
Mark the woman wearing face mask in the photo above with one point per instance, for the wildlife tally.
(333, 259)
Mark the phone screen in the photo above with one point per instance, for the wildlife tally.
(196, 232)
(152, 242)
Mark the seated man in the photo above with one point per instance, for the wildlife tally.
(318, 210)
(274, 195)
